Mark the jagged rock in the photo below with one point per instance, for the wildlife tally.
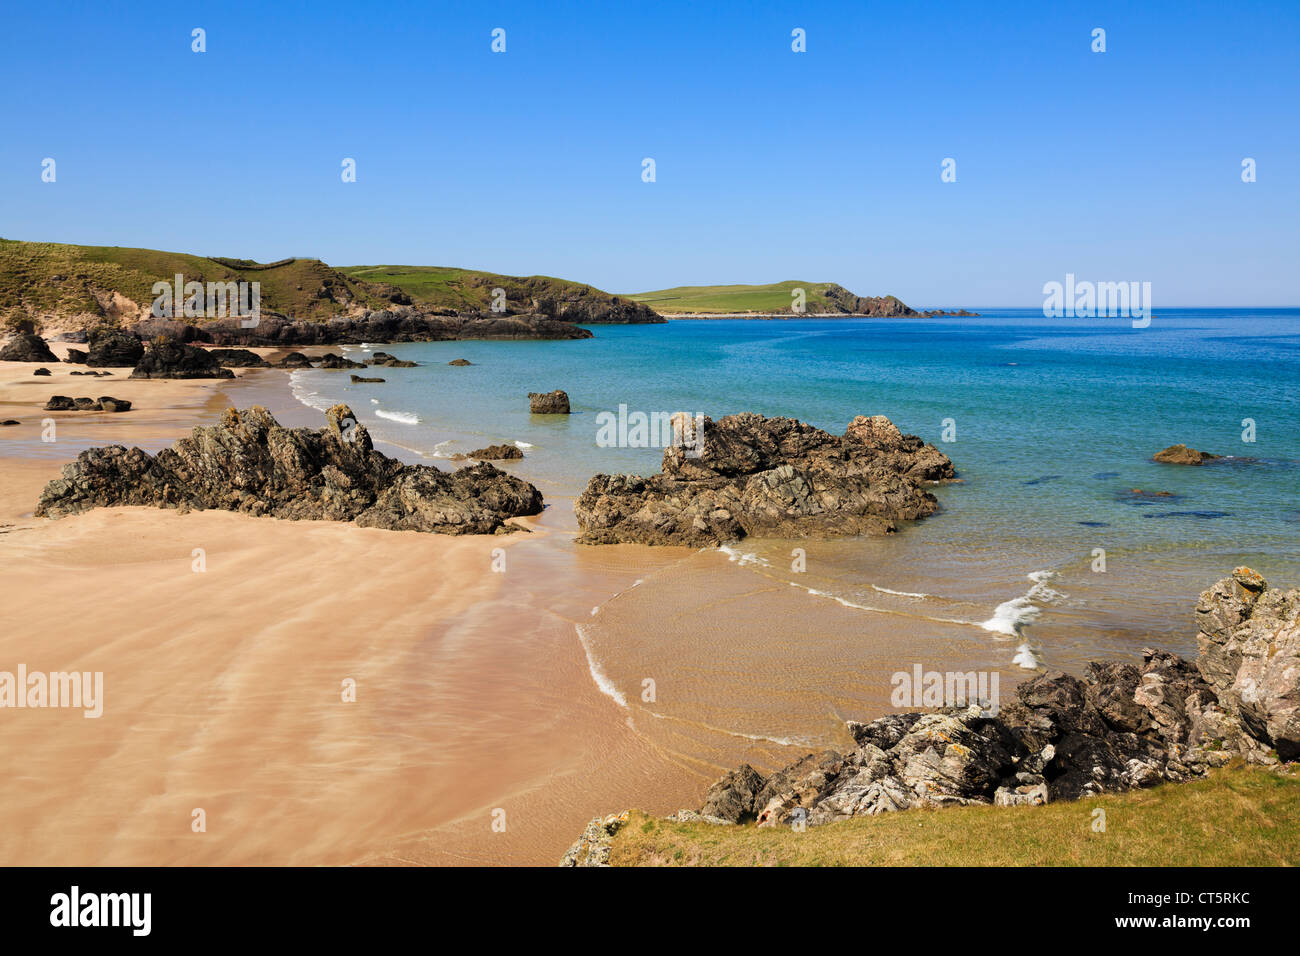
(27, 347)
(401, 324)
(250, 463)
(732, 797)
(460, 362)
(776, 477)
(60, 403)
(362, 380)
(1122, 727)
(1249, 645)
(330, 360)
(238, 358)
(1182, 455)
(172, 359)
(548, 403)
(114, 348)
(592, 848)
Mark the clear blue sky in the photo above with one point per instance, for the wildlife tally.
(771, 165)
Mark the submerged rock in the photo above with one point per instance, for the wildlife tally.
(460, 362)
(750, 475)
(252, 464)
(1182, 455)
(363, 380)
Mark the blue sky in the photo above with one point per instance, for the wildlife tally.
(771, 165)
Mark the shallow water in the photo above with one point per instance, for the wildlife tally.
(759, 649)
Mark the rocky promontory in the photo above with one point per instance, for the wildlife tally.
(251, 464)
(1122, 726)
(1183, 455)
(747, 475)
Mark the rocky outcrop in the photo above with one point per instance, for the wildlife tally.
(294, 360)
(776, 477)
(41, 371)
(27, 347)
(330, 360)
(1182, 455)
(548, 403)
(878, 306)
(391, 361)
(172, 359)
(460, 362)
(105, 403)
(401, 324)
(363, 380)
(113, 348)
(251, 464)
(238, 358)
(493, 453)
(1120, 727)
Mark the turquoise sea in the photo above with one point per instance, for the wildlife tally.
(1063, 541)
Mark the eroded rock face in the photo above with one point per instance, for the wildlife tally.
(27, 347)
(113, 348)
(1249, 645)
(750, 475)
(250, 463)
(1121, 727)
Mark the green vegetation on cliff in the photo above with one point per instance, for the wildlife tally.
(1237, 817)
(819, 298)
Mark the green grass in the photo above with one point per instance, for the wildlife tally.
(776, 297)
(448, 287)
(47, 278)
(1237, 817)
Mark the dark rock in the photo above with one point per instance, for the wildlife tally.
(330, 360)
(732, 798)
(390, 361)
(1123, 726)
(548, 403)
(115, 348)
(76, 357)
(110, 404)
(294, 360)
(1182, 455)
(495, 453)
(238, 358)
(399, 324)
(172, 359)
(41, 371)
(460, 362)
(60, 403)
(362, 380)
(86, 405)
(775, 477)
(250, 463)
(10, 421)
(27, 347)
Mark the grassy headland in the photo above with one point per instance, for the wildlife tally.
(1240, 816)
(820, 298)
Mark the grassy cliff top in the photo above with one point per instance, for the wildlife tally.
(820, 298)
(43, 280)
(1244, 816)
